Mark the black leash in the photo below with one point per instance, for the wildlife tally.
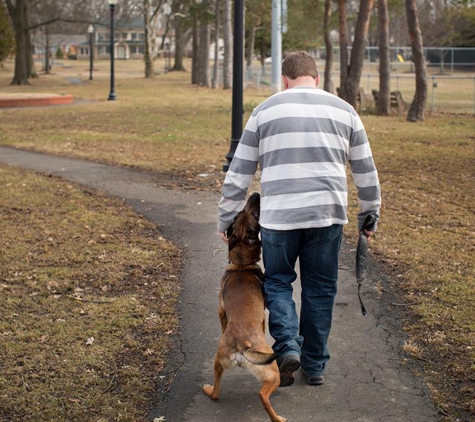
(362, 256)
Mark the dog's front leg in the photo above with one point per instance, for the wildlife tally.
(213, 391)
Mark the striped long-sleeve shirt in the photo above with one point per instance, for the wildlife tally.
(302, 138)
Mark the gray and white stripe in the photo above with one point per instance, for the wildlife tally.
(302, 139)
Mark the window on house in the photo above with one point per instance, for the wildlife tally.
(134, 36)
(141, 49)
(141, 36)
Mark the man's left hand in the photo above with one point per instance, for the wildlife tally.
(223, 237)
(369, 234)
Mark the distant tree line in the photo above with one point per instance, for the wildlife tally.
(417, 23)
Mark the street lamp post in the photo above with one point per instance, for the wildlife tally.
(90, 30)
(238, 76)
(112, 95)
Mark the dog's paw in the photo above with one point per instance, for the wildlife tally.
(280, 419)
(209, 391)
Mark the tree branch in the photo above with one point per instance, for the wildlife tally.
(157, 9)
(10, 7)
(53, 20)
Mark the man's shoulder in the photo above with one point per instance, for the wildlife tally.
(304, 96)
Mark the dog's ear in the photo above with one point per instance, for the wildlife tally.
(232, 242)
(229, 231)
(253, 203)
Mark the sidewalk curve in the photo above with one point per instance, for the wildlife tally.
(365, 379)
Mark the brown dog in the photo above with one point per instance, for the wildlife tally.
(241, 311)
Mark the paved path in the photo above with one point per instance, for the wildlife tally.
(365, 380)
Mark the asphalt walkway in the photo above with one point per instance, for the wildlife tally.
(366, 380)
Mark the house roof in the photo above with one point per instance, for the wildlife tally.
(121, 24)
(61, 39)
(135, 23)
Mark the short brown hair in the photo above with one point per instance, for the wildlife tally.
(299, 64)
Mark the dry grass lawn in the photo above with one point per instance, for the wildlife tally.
(426, 237)
(87, 298)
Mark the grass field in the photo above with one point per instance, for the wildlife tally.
(87, 298)
(426, 238)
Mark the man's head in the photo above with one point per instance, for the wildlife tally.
(299, 65)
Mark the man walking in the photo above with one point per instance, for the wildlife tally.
(302, 138)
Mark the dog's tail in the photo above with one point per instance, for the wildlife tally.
(259, 358)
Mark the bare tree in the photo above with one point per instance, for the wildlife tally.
(18, 14)
(228, 45)
(200, 73)
(384, 96)
(47, 50)
(203, 48)
(195, 44)
(328, 83)
(349, 86)
(148, 29)
(251, 41)
(416, 110)
(43, 13)
(214, 81)
(343, 32)
(180, 18)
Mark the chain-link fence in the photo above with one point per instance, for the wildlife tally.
(446, 94)
(452, 92)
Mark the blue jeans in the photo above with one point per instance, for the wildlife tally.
(317, 250)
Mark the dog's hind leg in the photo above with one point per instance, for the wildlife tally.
(268, 387)
(223, 318)
(212, 391)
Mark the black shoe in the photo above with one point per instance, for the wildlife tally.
(314, 380)
(287, 366)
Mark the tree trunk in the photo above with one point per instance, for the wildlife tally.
(215, 80)
(148, 56)
(416, 110)
(203, 52)
(384, 96)
(47, 47)
(29, 45)
(179, 40)
(228, 45)
(328, 83)
(165, 33)
(20, 76)
(250, 50)
(343, 29)
(262, 50)
(195, 53)
(351, 85)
